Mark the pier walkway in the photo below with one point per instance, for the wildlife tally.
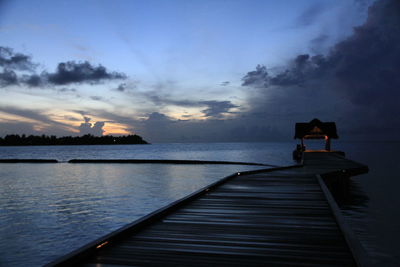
(273, 217)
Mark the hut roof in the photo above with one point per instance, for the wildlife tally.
(315, 129)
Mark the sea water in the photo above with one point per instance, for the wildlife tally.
(48, 210)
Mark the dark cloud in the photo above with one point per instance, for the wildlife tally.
(63, 90)
(156, 116)
(121, 87)
(8, 77)
(33, 80)
(15, 61)
(155, 98)
(87, 119)
(226, 83)
(69, 72)
(216, 109)
(129, 88)
(160, 98)
(355, 84)
(257, 78)
(10, 62)
(357, 80)
(76, 72)
(366, 65)
(300, 70)
(158, 127)
(318, 44)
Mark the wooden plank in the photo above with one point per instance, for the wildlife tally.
(86, 250)
(257, 220)
(279, 216)
(360, 254)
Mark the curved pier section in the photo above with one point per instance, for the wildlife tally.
(280, 216)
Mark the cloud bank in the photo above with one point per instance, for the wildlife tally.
(356, 83)
(11, 60)
(73, 72)
(13, 65)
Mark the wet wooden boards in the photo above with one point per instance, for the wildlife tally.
(262, 218)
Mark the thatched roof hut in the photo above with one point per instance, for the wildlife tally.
(315, 129)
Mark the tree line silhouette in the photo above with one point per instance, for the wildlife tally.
(45, 140)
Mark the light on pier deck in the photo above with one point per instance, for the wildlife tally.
(280, 216)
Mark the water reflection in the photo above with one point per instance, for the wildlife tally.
(47, 210)
(270, 153)
(379, 218)
(50, 209)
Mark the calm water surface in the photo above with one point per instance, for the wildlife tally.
(246, 152)
(374, 213)
(47, 210)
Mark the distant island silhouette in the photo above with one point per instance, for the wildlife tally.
(45, 140)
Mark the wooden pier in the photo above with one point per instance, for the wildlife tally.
(271, 217)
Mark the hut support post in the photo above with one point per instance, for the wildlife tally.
(328, 144)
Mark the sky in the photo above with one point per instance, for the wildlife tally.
(199, 71)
